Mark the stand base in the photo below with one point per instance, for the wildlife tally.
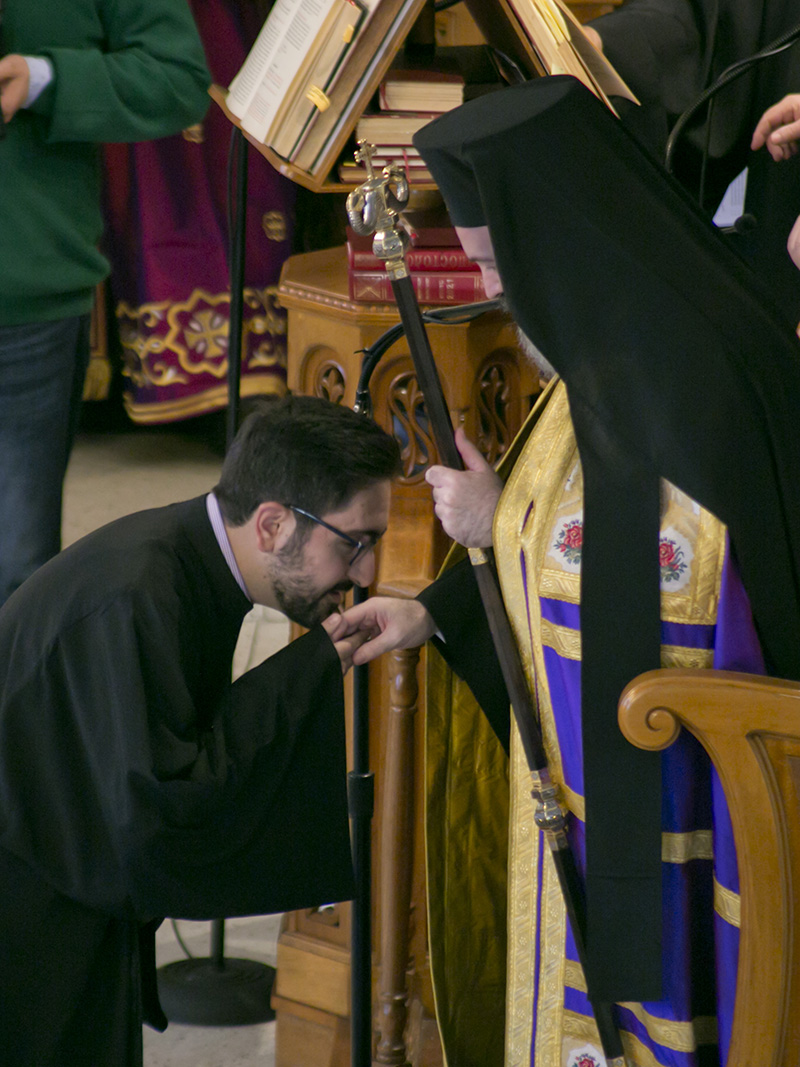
(203, 992)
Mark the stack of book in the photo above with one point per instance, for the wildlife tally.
(391, 135)
(411, 95)
(439, 268)
(317, 64)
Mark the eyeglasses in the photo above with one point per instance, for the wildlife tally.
(360, 546)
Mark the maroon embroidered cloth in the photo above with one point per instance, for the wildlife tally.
(167, 239)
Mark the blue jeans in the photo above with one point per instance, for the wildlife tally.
(42, 368)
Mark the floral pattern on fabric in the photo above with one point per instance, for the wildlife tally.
(570, 543)
(586, 1056)
(675, 556)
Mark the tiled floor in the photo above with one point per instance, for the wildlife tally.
(114, 472)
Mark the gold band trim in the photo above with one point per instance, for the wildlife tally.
(566, 642)
(678, 1036)
(563, 640)
(727, 904)
(680, 656)
(682, 1037)
(560, 586)
(680, 848)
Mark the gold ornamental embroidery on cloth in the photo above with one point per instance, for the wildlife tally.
(543, 499)
(193, 336)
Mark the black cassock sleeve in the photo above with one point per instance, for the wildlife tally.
(455, 603)
(127, 804)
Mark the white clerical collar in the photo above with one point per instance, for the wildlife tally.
(221, 534)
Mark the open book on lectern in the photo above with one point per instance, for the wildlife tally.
(563, 48)
(291, 68)
(316, 64)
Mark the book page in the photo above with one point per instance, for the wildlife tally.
(245, 83)
(348, 98)
(595, 62)
(316, 78)
(278, 53)
(543, 31)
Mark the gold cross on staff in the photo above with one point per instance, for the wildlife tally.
(364, 155)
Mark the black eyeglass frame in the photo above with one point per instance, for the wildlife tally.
(360, 546)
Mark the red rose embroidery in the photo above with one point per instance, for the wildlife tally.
(670, 557)
(570, 541)
(573, 535)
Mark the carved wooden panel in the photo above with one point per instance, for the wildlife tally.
(487, 387)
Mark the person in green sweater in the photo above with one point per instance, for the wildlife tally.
(74, 74)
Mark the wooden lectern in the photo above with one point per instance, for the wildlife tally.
(489, 388)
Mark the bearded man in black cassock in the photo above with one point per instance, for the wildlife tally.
(135, 780)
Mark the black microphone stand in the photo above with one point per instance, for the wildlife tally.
(361, 804)
(730, 74)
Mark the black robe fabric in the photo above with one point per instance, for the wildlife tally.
(136, 781)
(669, 51)
(677, 366)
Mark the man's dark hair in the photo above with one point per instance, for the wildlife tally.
(304, 451)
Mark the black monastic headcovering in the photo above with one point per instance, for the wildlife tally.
(677, 366)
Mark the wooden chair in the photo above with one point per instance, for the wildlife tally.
(750, 727)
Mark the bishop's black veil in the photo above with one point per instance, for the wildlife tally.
(677, 365)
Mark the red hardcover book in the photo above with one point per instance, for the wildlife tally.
(418, 259)
(431, 287)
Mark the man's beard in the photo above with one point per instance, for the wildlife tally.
(529, 349)
(534, 356)
(297, 595)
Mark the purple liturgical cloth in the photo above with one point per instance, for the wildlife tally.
(168, 244)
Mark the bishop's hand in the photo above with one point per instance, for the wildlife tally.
(465, 501)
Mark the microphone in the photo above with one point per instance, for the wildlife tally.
(744, 224)
(731, 73)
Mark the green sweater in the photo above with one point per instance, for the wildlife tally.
(125, 70)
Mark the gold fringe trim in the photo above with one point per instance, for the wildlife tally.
(97, 382)
(201, 403)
